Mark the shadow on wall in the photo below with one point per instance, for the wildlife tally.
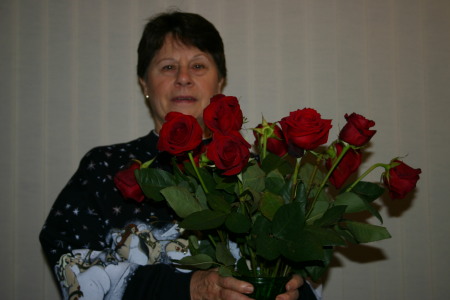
(364, 253)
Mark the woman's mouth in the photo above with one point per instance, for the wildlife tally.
(184, 99)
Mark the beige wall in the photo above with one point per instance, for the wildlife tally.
(67, 82)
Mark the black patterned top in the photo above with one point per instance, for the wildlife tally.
(102, 246)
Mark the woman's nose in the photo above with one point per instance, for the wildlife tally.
(183, 77)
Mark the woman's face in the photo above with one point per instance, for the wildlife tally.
(180, 78)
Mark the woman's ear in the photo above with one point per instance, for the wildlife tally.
(143, 85)
(221, 85)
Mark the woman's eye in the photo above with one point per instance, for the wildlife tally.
(199, 66)
(168, 67)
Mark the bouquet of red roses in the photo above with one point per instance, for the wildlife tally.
(278, 210)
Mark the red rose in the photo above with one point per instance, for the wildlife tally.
(305, 129)
(401, 179)
(126, 182)
(179, 134)
(223, 114)
(229, 152)
(356, 132)
(275, 144)
(346, 167)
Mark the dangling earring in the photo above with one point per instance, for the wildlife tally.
(147, 96)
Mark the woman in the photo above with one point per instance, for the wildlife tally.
(181, 65)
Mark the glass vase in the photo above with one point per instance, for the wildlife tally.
(266, 288)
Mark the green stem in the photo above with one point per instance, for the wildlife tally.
(212, 240)
(313, 175)
(222, 236)
(191, 158)
(294, 178)
(245, 210)
(253, 262)
(386, 166)
(287, 270)
(263, 147)
(325, 180)
(277, 266)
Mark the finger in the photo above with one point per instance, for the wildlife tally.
(227, 294)
(210, 285)
(290, 295)
(292, 287)
(294, 283)
(234, 284)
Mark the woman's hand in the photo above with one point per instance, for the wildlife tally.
(292, 288)
(209, 285)
(206, 285)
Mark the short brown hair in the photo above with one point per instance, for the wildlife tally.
(190, 29)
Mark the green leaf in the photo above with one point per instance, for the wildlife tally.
(208, 179)
(178, 175)
(225, 271)
(300, 196)
(345, 234)
(317, 271)
(355, 203)
(201, 197)
(254, 199)
(224, 255)
(226, 186)
(331, 216)
(187, 182)
(270, 203)
(274, 182)
(226, 183)
(286, 191)
(366, 233)
(193, 243)
(288, 221)
(238, 223)
(189, 169)
(320, 207)
(203, 220)
(218, 203)
(301, 248)
(181, 200)
(253, 178)
(266, 246)
(204, 173)
(273, 161)
(206, 247)
(293, 241)
(242, 267)
(368, 190)
(326, 236)
(152, 181)
(200, 261)
(148, 163)
(306, 172)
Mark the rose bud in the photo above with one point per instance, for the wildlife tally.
(401, 179)
(126, 183)
(356, 132)
(275, 143)
(346, 167)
